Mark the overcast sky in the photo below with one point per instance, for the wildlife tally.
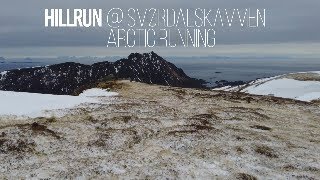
(293, 22)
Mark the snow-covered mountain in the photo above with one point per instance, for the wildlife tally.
(66, 78)
(304, 86)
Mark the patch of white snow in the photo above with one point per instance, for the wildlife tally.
(38, 105)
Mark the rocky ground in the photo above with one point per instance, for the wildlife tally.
(158, 132)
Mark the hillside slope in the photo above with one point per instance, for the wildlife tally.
(151, 131)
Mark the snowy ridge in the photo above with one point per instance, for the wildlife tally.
(303, 86)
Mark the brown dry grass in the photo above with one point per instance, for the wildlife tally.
(304, 76)
(154, 132)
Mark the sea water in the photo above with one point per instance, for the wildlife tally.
(245, 69)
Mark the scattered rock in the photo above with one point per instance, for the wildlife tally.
(42, 129)
(244, 176)
(265, 128)
(265, 150)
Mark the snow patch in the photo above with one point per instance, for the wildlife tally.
(287, 88)
(44, 105)
(309, 96)
(96, 92)
(3, 73)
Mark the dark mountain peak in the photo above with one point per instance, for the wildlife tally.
(151, 55)
(67, 78)
(134, 56)
(66, 64)
(148, 56)
(2, 59)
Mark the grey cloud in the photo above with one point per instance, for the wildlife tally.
(287, 21)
